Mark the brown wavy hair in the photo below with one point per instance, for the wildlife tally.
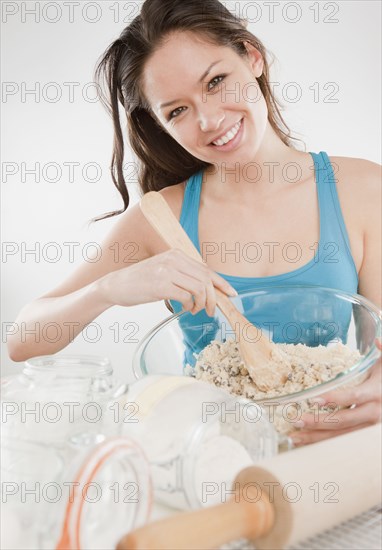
(161, 160)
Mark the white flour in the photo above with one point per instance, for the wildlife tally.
(221, 458)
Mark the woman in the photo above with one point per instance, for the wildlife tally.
(204, 124)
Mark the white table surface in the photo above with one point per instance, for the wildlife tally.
(362, 532)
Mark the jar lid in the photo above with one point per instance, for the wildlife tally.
(111, 495)
(63, 398)
(80, 366)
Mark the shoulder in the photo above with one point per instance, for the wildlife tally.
(359, 188)
(174, 196)
(364, 175)
(132, 224)
(359, 184)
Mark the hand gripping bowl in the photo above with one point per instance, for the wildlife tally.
(309, 315)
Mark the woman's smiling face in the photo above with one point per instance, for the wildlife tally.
(207, 98)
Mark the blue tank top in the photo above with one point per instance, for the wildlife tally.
(332, 266)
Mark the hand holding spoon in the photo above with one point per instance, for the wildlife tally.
(255, 349)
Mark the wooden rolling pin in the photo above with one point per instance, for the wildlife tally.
(281, 501)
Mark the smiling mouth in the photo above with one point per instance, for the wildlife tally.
(229, 136)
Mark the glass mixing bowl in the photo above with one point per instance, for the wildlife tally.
(309, 315)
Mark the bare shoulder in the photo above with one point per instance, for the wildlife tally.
(152, 243)
(361, 174)
(358, 184)
(174, 196)
(359, 189)
(132, 225)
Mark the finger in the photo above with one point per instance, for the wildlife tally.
(196, 290)
(222, 284)
(200, 271)
(210, 299)
(200, 298)
(180, 295)
(378, 343)
(301, 438)
(359, 393)
(344, 397)
(341, 419)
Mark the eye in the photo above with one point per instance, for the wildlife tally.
(215, 81)
(175, 113)
(210, 86)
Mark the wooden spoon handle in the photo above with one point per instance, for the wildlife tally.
(254, 346)
(160, 216)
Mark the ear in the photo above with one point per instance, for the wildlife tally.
(255, 59)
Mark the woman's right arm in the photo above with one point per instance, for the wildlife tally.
(79, 299)
(135, 267)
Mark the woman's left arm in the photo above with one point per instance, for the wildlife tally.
(364, 399)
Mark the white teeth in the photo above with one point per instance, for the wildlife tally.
(228, 136)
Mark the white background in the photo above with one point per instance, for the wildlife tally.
(328, 42)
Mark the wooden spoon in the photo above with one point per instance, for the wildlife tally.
(255, 349)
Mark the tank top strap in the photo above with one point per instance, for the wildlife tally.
(333, 233)
(190, 208)
(332, 224)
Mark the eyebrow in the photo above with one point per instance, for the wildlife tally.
(206, 73)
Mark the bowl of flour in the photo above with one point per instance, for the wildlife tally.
(321, 338)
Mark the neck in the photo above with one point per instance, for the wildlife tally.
(268, 166)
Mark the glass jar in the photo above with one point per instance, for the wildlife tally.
(88, 503)
(196, 437)
(62, 399)
(68, 480)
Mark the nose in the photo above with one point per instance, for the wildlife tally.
(210, 120)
